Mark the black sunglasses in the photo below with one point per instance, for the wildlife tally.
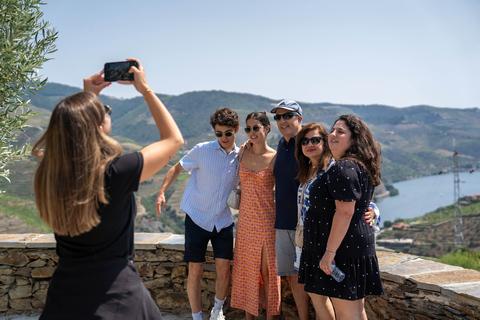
(314, 140)
(108, 110)
(220, 134)
(285, 116)
(255, 128)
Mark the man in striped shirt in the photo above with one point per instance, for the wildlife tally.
(208, 217)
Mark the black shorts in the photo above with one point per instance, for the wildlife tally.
(196, 242)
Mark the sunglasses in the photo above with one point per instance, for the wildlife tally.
(255, 129)
(285, 116)
(220, 134)
(314, 140)
(108, 110)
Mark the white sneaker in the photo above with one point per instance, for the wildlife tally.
(217, 315)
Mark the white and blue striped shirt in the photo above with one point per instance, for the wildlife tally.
(211, 180)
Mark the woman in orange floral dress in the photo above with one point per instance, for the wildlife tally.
(254, 276)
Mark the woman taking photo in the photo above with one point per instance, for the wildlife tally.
(254, 275)
(335, 227)
(84, 193)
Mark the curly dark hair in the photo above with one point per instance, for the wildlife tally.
(224, 117)
(260, 116)
(304, 161)
(365, 149)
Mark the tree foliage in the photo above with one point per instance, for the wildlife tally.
(25, 41)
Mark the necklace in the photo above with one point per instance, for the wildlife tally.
(255, 158)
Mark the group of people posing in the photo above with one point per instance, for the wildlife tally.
(317, 182)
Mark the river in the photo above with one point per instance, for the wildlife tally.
(423, 195)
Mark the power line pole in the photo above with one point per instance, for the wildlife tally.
(457, 209)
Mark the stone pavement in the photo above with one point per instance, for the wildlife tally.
(165, 316)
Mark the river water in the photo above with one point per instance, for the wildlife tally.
(423, 195)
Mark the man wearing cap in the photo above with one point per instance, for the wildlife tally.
(288, 115)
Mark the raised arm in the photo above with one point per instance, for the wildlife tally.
(157, 154)
(170, 178)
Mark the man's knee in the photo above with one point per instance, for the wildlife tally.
(223, 267)
(195, 271)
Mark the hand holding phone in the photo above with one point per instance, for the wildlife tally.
(118, 71)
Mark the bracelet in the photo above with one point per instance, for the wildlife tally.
(334, 251)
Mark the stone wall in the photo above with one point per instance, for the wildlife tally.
(414, 288)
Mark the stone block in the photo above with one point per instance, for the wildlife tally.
(177, 257)
(145, 270)
(4, 303)
(6, 270)
(14, 259)
(4, 289)
(171, 300)
(42, 273)
(435, 280)
(178, 287)
(23, 272)
(21, 304)
(210, 286)
(7, 279)
(37, 263)
(209, 275)
(180, 271)
(161, 270)
(40, 255)
(20, 292)
(39, 298)
(149, 241)
(173, 242)
(400, 271)
(401, 304)
(22, 281)
(42, 241)
(16, 240)
(156, 283)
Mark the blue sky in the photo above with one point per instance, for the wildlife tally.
(399, 53)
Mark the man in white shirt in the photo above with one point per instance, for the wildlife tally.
(208, 217)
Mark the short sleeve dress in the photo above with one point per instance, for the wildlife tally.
(347, 180)
(95, 277)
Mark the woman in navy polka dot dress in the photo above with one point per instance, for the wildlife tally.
(335, 227)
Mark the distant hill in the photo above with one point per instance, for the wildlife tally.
(416, 141)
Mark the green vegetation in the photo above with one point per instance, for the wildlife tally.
(462, 257)
(26, 211)
(433, 233)
(25, 41)
(393, 191)
(416, 141)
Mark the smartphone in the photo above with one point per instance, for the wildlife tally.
(118, 71)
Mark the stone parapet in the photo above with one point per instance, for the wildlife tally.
(415, 288)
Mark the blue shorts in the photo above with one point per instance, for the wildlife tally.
(196, 242)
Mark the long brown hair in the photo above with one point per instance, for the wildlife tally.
(304, 161)
(73, 153)
(364, 149)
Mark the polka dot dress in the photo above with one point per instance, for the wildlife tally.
(345, 181)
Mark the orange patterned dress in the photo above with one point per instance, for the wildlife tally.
(255, 229)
